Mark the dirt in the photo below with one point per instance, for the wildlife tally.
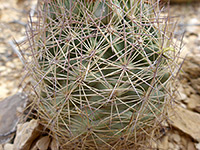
(13, 22)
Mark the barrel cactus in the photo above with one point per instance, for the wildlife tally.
(102, 71)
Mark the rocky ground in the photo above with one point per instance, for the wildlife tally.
(182, 131)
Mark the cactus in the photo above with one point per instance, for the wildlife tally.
(102, 71)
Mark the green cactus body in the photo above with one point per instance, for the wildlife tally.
(100, 72)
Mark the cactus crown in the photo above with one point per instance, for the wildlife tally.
(101, 70)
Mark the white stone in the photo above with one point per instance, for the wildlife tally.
(197, 146)
(8, 146)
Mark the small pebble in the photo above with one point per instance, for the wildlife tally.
(176, 138)
(1, 147)
(191, 146)
(171, 146)
(177, 147)
(197, 146)
(183, 96)
(8, 146)
(184, 141)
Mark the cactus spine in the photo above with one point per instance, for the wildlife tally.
(102, 71)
